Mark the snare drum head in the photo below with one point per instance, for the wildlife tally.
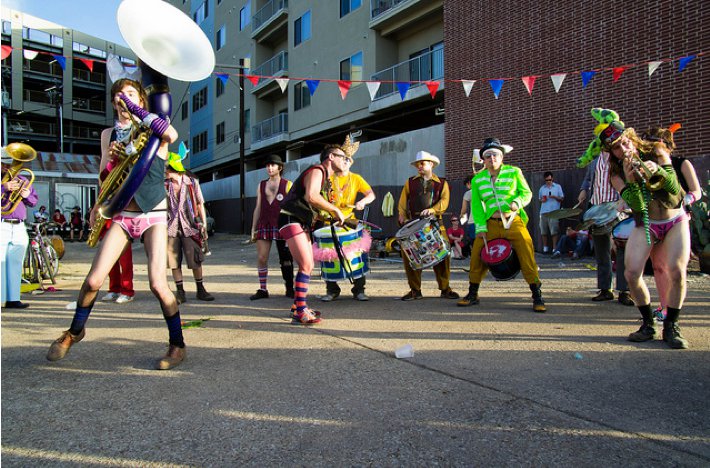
(623, 229)
(411, 227)
(601, 214)
(498, 250)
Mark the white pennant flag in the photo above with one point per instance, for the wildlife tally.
(372, 87)
(467, 85)
(30, 54)
(652, 66)
(283, 83)
(557, 81)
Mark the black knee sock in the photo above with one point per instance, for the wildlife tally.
(646, 313)
(175, 329)
(672, 314)
(198, 282)
(178, 285)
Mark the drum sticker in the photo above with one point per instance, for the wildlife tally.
(280, 197)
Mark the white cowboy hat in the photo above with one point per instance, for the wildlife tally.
(424, 156)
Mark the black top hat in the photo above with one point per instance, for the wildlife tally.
(274, 159)
(492, 143)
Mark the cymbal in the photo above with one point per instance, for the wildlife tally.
(563, 213)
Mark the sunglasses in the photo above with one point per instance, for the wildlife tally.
(345, 158)
(548, 180)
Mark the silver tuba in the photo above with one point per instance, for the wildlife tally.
(168, 44)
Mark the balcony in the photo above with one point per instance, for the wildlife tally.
(394, 16)
(40, 69)
(89, 105)
(17, 128)
(85, 76)
(270, 23)
(275, 67)
(269, 132)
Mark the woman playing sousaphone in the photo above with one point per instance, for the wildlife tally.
(641, 171)
(498, 195)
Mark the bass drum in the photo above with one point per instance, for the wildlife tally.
(58, 244)
(501, 259)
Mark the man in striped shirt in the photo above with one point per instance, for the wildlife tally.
(497, 192)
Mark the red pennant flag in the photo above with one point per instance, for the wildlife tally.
(433, 87)
(616, 72)
(344, 87)
(6, 51)
(89, 64)
(529, 82)
(254, 79)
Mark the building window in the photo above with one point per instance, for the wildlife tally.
(219, 87)
(183, 110)
(202, 12)
(199, 100)
(302, 28)
(219, 130)
(199, 142)
(220, 38)
(6, 27)
(351, 68)
(245, 16)
(346, 6)
(301, 96)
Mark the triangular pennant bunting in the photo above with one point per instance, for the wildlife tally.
(557, 81)
(433, 86)
(616, 73)
(496, 86)
(372, 88)
(403, 87)
(467, 86)
(587, 77)
(683, 61)
(89, 63)
(254, 79)
(283, 84)
(61, 60)
(344, 87)
(6, 51)
(312, 85)
(223, 77)
(529, 82)
(30, 54)
(653, 66)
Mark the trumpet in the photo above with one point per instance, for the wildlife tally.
(652, 179)
(21, 153)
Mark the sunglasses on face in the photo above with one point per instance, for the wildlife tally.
(548, 180)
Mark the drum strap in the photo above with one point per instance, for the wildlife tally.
(339, 250)
(506, 221)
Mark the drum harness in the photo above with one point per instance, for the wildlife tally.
(506, 221)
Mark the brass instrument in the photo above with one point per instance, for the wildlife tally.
(652, 179)
(21, 153)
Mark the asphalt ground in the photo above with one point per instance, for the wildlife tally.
(494, 384)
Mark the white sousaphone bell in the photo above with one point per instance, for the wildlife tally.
(166, 39)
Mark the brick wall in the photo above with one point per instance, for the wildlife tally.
(493, 39)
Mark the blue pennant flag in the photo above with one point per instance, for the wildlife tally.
(403, 87)
(496, 86)
(587, 77)
(223, 77)
(312, 85)
(61, 60)
(683, 61)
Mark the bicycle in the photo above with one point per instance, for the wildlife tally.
(41, 260)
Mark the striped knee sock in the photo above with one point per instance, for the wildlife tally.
(263, 274)
(81, 315)
(175, 329)
(301, 287)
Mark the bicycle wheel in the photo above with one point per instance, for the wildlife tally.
(31, 267)
(50, 263)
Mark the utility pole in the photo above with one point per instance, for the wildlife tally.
(56, 96)
(242, 131)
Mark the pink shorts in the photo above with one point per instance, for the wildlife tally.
(661, 228)
(136, 223)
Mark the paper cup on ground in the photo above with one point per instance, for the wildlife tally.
(404, 352)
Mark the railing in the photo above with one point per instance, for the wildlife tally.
(378, 7)
(269, 128)
(37, 96)
(86, 75)
(50, 129)
(42, 67)
(89, 105)
(426, 67)
(271, 67)
(266, 12)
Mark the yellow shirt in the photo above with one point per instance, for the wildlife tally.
(345, 190)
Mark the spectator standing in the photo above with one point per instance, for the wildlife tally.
(551, 197)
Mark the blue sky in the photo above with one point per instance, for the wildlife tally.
(94, 17)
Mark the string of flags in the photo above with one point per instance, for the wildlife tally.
(403, 87)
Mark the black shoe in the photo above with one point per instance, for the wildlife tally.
(468, 300)
(645, 333)
(16, 305)
(625, 299)
(604, 295)
(672, 336)
(180, 296)
(449, 294)
(259, 294)
(203, 295)
(539, 305)
(412, 296)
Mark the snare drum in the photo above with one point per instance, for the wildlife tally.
(621, 232)
(58, 244)
(602, 218)
(422, 242)
(501, 259)
(355, 244)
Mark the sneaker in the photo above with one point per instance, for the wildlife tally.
(330, 297)
(110, 297)
(468, 300)
(61, 345)
(672, 336)
(292, 312)
(660, 314)
(180, 296)
(307, 317)
(575, 256)
(361, 297)
(259, 294)
(556, 254)
(204, 295)
(449, 294)
(625, 299)
(412, 296)
(172, 358)
(122, 299)
(604, 295)
(645, 333)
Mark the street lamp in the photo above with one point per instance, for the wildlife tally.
(56, 96)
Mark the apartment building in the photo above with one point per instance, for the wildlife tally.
(386, 41)
(55, 98)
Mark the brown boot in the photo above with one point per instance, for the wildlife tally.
(61, 345)
(174, 356)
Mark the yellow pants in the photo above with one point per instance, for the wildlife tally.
(519, 237)
(442, 272)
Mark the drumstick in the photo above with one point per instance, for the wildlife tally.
(485, 243)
